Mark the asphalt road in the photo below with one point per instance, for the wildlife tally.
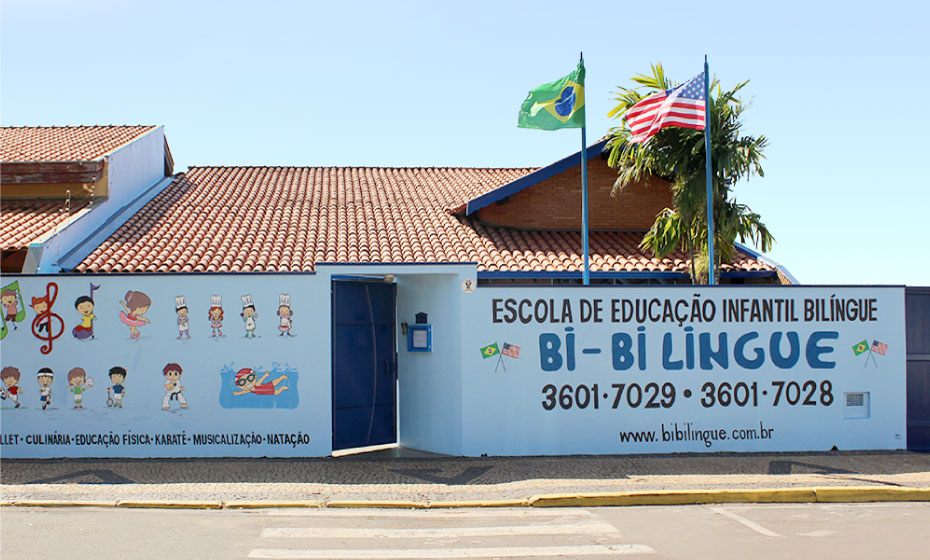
(848, 531)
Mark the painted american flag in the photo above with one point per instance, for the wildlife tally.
(681, 106)
(879, 347)
(511, 350)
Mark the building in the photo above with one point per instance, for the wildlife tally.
(60, 183)
(293, 311)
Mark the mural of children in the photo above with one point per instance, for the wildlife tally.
(180, 306)
(43, 318)
(136, 305)
(78, 382)
(10, 301)
(116, 393)
(85, 306)
(173, 387)
(216, 315)
(285, 313)
(247, 381)
(45, 378)
(10, 376)
(248, 315)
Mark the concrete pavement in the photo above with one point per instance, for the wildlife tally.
(410, 478)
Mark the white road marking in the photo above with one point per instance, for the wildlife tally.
(442, 553)
(429, 514)
(444, 532)
(818, 534)
(740, 519)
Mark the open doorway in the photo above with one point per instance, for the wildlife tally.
(364, 364)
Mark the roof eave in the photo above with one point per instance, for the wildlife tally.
(531, 179)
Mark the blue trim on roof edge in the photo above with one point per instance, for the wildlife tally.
(760, 257)
(526, 181)
(568, 274)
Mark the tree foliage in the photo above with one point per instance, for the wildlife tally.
(678, 154)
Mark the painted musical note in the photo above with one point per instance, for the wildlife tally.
(43, 319)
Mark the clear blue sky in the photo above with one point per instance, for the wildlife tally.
(837, 89)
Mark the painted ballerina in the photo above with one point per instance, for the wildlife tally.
(136, 305)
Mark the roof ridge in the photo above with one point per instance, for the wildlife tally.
(189, 167)
(79, 126)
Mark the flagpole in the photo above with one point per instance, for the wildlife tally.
(708, 164)
(585, 275)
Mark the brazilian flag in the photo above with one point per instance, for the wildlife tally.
(490, 351)
(861, 347)
(558, 104)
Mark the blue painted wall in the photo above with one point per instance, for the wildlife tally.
(430, 383)
(216, 422)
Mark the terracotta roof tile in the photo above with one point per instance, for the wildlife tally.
(288, 218)
(64, 143)
(23, 221)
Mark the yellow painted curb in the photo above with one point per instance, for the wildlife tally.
(479, 503)
(675, 497)
(847, 494)
(62, 503)
(261, 504)
(400, 504)
(171, 504)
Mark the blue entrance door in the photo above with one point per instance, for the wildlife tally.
(364, 364)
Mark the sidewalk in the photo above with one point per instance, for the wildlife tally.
(400, 476)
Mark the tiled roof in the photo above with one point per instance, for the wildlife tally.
(64, 143)
(506, 249)
(288, 218)
(24, 221)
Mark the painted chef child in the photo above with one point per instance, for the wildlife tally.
(180, 306)
(249, 315)
(285, 313)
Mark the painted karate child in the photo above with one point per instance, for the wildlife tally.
(136, 305)
(45, 376)
(248, 315)
(173, 387)
(216, 315)
(285, 314)
(117, 376)
(10, 376)
(247, 381)
(85, 306)
(10, 306)
(77, 378)
(180, 306)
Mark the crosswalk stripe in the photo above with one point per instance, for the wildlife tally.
(431, 513)
(445, 532)
(444, 553)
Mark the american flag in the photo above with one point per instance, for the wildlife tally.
(879, 347)
(511, 350)
(681, 106)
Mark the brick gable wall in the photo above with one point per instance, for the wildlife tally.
(555, 203)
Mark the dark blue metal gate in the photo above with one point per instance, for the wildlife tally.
(917, 312)
(364, 364)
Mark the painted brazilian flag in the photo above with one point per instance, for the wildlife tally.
(861, 347)
(490, 351)
(558, 104)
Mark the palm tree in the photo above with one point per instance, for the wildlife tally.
(678, 155)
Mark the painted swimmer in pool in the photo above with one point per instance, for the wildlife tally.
(247, 381)
(136, 305)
